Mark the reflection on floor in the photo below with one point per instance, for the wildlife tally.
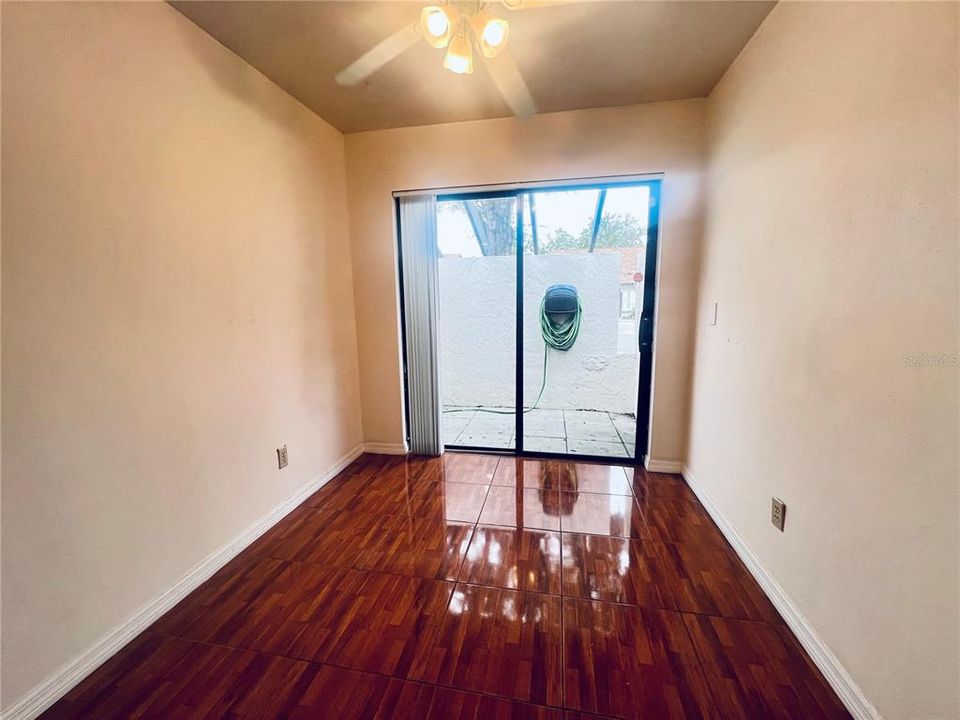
(577, 432)
(472, 586)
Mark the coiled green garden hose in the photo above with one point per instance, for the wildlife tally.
(559, 336)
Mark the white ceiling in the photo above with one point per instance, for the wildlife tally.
(579, 55)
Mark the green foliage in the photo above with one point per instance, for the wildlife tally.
(616, 231)
(496, 218)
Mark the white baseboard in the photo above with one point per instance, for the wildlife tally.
(848, 691)
(63, 680)
(385, 448)
(664, 466)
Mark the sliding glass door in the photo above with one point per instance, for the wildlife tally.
(477, 239)
(548, 351)
(584, 259)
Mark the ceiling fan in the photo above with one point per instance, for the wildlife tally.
(458, 26)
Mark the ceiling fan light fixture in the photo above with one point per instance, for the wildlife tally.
(491, 32)
(436, 23)
(459, 57)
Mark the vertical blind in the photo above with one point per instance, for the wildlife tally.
(420, 262)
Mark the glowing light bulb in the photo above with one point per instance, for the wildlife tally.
(459, 57)
(494, 33)
(491, 32)
(436, 25)
(458, 64)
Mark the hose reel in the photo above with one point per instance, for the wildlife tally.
(560, 313)
(560, 316)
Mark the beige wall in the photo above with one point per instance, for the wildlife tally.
(662, 137)
(177, 302)
(832, 249)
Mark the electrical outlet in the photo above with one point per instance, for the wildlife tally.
(282, 456)
(778, 513)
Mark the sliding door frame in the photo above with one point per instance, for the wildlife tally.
(647, 328)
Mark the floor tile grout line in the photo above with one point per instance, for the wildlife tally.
(463, 559)
(473, 534)
(563, 644)
(475, 524)
(360, 569)
(436, 635)
(563, 630)
(486, 496)
(636, 498)
(700, 663)
(460, 581)
(695, 543)
(562, 706)
(327, 663)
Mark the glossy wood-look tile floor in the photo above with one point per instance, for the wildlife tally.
(472, 586)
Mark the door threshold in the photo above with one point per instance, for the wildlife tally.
(533, 455)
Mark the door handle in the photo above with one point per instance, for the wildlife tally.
(646, 334)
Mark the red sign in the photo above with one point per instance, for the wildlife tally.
(638, 277)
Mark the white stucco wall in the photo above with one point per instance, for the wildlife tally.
(477, 326)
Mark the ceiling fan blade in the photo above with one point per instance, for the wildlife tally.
(379, 55)
(506, 76)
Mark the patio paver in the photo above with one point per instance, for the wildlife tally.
(581, 432)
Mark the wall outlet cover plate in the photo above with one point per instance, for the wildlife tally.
(778, 513)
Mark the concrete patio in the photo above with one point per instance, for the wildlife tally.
(577, 432)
